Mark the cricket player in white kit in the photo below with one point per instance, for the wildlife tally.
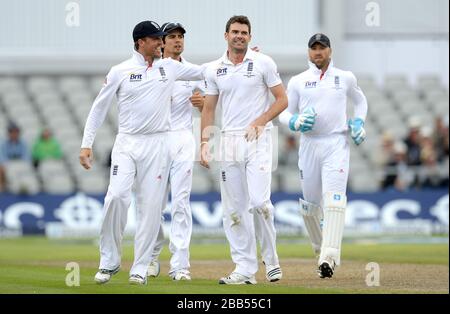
(185, 96)
(143, 86)
(241, 81)
(317, 108)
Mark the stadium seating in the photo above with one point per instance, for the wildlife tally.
(62, 104)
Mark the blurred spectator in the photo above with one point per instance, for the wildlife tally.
(289, 155)
(441, 138)
(46, 147)
(397, 173)
(412, 142)
(13, 148)
(429, 175)
(386, 155)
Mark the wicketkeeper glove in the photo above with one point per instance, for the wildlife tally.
(356, 129)
(303, 122)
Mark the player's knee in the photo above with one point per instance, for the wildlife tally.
(336, 200)
(265, 209)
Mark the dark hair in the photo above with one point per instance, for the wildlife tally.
(241, 19)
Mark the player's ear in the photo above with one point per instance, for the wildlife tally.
(225, 36)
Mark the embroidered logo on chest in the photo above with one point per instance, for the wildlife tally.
(249, 70)
(222, 71)
(309, 84)
(162, 72)
(135, 77)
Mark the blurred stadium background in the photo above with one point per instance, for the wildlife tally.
(54, 56)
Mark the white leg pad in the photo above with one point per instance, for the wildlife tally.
(333, 227)
(312, 215)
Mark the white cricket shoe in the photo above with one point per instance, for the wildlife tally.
(273, 273)
(137, 280)
(104, 275)
(153, 269)
(237, 279)
(182, 274)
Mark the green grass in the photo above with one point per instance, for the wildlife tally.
(37, 265)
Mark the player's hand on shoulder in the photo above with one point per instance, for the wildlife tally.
(303, 122)
(356, 129)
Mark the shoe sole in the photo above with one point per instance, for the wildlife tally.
(325, 271)
(101, 282)
(136, 283)
(247, 282)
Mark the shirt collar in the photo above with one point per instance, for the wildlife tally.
(249, 55)
(316, 70)
(139, 59)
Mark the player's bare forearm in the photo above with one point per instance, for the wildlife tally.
(280, 104)
(208, 113)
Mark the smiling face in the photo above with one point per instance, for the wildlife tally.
(238, 37)
(319, 55)
(174, 43)
(150, 47)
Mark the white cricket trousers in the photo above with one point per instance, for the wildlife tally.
(143, 160)
(324, 167)
(182, 154)
(324, 164)
(246, 174)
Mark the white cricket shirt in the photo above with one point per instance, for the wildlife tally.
(181, 106)
(143, 95)
(243, 89)
(327, 94)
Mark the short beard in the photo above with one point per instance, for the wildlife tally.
(321, 66)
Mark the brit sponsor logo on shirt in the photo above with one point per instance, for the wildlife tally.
(135, 77)
(309, 84)
(222, 71)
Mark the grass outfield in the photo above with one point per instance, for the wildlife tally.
(37, 265)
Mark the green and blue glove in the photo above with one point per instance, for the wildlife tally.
(356, 129)
(304, 122)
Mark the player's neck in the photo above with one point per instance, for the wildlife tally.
(173, 56)
(147, 58)
(325, 67)
(236, 57)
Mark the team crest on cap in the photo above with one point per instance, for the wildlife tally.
(318, 37)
